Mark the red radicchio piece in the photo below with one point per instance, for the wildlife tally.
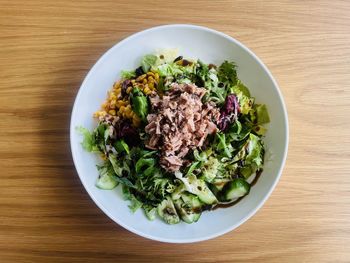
(127, 132)
(229, 112)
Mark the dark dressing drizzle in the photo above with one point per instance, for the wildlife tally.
(257, 175)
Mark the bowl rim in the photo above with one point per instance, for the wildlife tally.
(285, 115)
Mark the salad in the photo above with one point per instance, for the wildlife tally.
(179, 136)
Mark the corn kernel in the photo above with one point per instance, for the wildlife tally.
(151, 85)
(140, 86)
(104, 105)
(156, 77)
(112, 96)
(117, 91)
(130, 115)
(99, 113)
(150, 73)
(140, 78)
(116, 85)
(112, 112)
(128, 90)
(146, 90)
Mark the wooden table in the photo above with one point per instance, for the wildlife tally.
(46, 49)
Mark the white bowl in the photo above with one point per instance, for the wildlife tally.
(211, 47)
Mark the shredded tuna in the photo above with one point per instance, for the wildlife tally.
(180, 122)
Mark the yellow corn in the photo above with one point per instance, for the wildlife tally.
(150, 73)
(122, 109)
(117, 91)
(99, 113)
(112, 112)
(113, 104)
(151, 85)
(120, 103)
(128, 90)
(129, 115)
(113, 97)
(156, 77)
(140, 78)
(116, 84)
(146, 90)
(128, 112)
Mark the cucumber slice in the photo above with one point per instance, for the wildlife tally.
(219, 183)
(178, 192)
(167, 211)
(198, 187)
(203, 192)
(106, 182)
(235, 189)
(189, 208)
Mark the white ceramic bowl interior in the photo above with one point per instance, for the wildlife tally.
(211, 47)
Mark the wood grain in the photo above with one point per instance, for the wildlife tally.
(46, 49)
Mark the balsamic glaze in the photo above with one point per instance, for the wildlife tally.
(257, 175)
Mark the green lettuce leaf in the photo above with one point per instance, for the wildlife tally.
(148, 61)
(211, 169)
(121, 146)
(169, 70)
(88, 143)
(262, 114)
(227, 73)
(222, 145)
(125, 74)
(139, 103)
(255, 151)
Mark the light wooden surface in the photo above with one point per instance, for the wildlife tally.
(46, 49)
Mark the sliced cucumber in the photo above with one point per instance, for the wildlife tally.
(167, 211)
(178, 192)
(189, 207)
(235, 189)
(106, 182)
(198, 187)
(219, 183)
